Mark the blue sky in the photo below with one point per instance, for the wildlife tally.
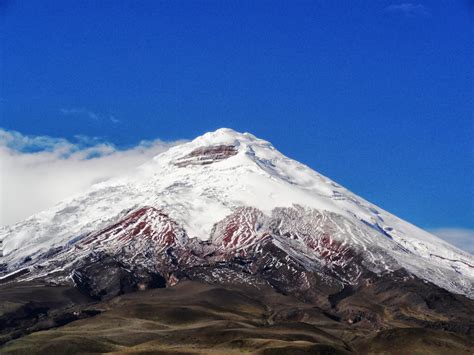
(376, 95)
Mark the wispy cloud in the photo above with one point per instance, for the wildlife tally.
(408, 9)
(38, 171)
(460, 237)
(83, 112)
(113, 119)
(22, 143)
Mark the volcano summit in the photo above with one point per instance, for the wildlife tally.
(228, 210)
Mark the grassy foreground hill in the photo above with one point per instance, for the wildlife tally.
(194, 317)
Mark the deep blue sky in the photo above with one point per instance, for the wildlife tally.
(377, 95)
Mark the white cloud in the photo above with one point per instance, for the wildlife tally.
(408, 9)
(83, 112)
(459, 237)
(38, 171)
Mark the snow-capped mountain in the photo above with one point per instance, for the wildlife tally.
(228, 198)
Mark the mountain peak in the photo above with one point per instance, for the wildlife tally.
(227, 136)
(201, 183)
(217, 146)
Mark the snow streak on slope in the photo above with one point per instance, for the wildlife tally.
(200, 183)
